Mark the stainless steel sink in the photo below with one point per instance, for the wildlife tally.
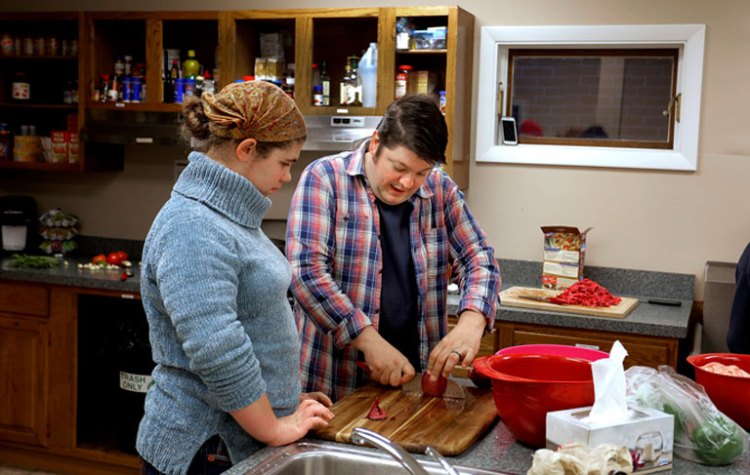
(306, 458)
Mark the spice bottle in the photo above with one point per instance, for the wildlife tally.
(325, 84)
(402, 81)
(21, 87)
(6, 143)
(191, 67)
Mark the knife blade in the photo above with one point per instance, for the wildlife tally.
(453, 390)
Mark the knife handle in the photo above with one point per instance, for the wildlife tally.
(363, 366)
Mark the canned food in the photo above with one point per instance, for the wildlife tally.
(52, 46)
(28, 46)
(6, 44)
(39, 46)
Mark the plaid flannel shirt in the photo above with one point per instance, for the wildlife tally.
(334, 249)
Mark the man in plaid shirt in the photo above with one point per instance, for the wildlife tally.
(374, 237)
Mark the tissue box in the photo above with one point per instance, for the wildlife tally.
(648, 434)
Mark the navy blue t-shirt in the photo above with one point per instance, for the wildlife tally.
(399, 294)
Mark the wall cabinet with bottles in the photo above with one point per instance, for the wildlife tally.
(132, 54)
(39, 72)
(332, 37)
(135, 50)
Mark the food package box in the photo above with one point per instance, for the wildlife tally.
(73, 146)
(564, 252)
(422, 82)
(59, 153)
(647, 433)
(27, 148)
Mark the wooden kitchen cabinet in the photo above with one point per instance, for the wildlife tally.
(49, 70)
(144, 36)
(331, 35)
(39, 384)
(643, 350)
(24, 359)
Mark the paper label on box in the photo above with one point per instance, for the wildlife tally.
(560, 269)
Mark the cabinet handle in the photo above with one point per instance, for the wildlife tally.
(144, 140)
(590, 347)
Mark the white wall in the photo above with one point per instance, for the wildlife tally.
(649, 220)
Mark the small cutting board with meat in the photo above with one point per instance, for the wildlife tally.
(414, 421)
(535, 298)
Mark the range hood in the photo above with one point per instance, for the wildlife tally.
(131, 127)
(338, 133)
(324, 133)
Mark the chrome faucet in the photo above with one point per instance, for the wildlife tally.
(362, 436)
(441, 460)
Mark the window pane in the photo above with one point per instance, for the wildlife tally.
(594, 97)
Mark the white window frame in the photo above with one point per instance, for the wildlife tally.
(493, 69)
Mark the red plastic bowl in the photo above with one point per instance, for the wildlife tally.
(728, 393)
(527, 386)
(551, 349)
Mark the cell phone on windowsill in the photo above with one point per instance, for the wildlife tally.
(509, 130)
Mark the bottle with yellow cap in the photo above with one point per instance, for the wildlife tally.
(191, 66)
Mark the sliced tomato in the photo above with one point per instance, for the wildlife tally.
(376, 412)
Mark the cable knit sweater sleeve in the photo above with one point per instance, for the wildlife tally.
(201, 300)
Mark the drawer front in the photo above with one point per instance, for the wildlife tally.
(28, 299)
(642, 350)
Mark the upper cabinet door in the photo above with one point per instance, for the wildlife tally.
(132, 55)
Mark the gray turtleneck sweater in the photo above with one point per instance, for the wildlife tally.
(221, 329)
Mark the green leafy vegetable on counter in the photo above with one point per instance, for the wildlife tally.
(717, 441)
(34, 262)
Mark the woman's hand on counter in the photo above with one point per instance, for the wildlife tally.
(259, 420)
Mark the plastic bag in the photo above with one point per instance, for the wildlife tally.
(577, 459)
(702, 433)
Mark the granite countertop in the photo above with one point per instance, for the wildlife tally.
(646, 319)
(69, 274)
(498, 451)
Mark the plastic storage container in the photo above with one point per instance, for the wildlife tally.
(719, 283)
(368, 71)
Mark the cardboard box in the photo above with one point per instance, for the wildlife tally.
(59, 153)
(422, 82)
(564, 253)
(73, 147)
(647, 433)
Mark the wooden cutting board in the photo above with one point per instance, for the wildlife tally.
(414, 422)
(510, 298)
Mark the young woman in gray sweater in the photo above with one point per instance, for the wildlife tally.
(214, 288)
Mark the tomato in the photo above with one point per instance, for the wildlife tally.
(433, 388)
(376, 412)
(116, 258)
(113, 258)
(99, 259)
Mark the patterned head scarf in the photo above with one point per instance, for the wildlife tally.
(253, 109)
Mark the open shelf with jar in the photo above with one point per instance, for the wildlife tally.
(39, 71)
(438, 41)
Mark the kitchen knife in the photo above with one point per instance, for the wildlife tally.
(539, 295)
(452, 391)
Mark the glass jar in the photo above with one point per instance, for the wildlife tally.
(402, 81)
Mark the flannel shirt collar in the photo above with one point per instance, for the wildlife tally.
(356, 167)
